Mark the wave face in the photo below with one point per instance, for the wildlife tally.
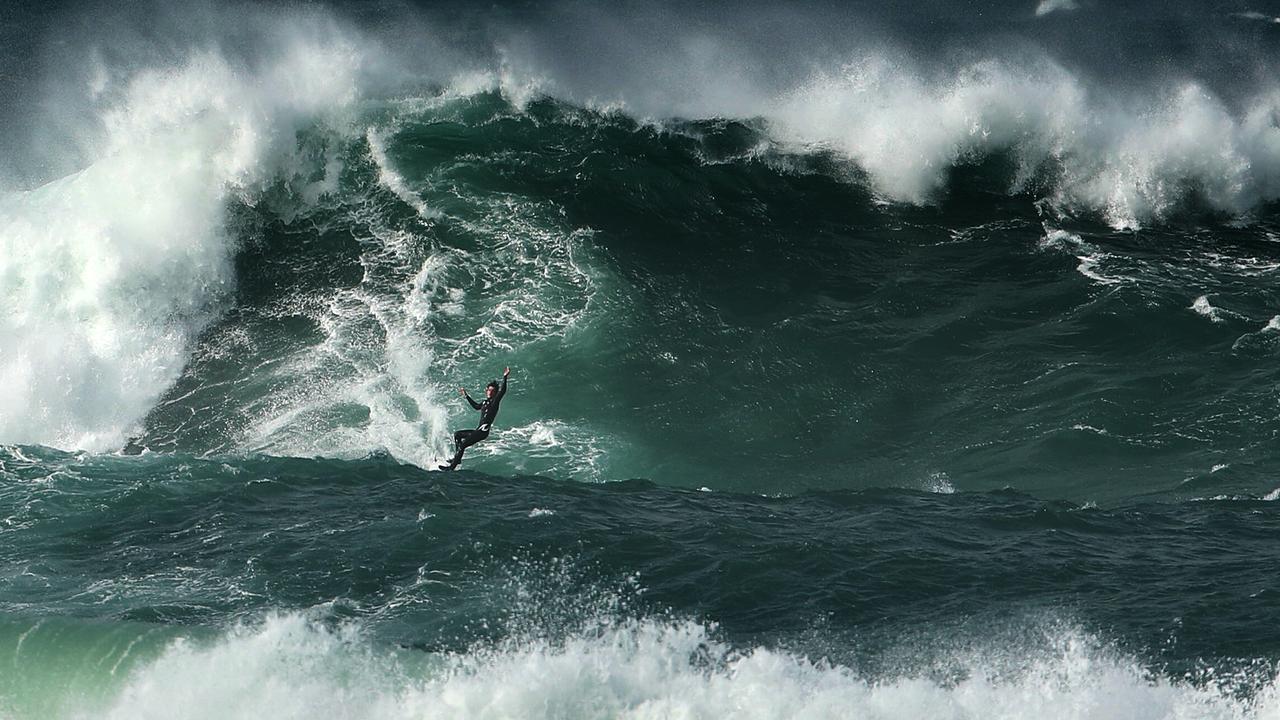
(865, 361)
(667, 291)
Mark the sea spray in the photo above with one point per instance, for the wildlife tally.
(291, 667)
(859, 361)
(109, 274)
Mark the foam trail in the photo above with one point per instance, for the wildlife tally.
(1201, 306)
(1255, 15)
(108, 275)
(387, 380)
(1048, 6)
(391, 179)
(288, 668)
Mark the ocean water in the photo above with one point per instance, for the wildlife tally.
(868, 361)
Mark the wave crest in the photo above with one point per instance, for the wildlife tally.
(109, 274)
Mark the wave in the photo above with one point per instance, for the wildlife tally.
(133, 282)
(291, 667)
(1128, 163)
(110, 274)
(1131, 148)
(244, 586)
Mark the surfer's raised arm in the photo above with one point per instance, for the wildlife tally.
(503, 390)
(474, 404)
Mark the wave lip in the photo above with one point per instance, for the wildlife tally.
(1129, 161)
(108, 275)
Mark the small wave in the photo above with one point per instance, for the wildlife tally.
(1257, 16)
(1201, 306)
(939, 482)
(1090, 429)
(1090, 258)
(1263, 340)
(1048, 6)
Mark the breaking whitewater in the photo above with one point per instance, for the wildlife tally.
(866, 362)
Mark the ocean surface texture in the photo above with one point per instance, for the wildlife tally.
(887, 361)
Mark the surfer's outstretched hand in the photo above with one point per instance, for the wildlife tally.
(506, 372)
(462, 391)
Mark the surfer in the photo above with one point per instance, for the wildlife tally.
(464, 439)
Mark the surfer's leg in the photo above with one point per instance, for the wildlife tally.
(462, 440)
(469, 438)
(459, 438)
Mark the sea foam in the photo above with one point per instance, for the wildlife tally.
(1129, 160)
(108, 275)
(287, 667)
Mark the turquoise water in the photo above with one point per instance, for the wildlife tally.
(925, 370)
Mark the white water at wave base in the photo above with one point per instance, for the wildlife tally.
(287, 667)
(1132, 161)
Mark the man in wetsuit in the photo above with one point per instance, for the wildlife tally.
(464, 439)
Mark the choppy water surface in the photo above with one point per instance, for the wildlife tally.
(876, 363)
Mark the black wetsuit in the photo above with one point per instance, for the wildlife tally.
(464, 439)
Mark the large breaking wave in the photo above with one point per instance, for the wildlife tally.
(110, 274)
